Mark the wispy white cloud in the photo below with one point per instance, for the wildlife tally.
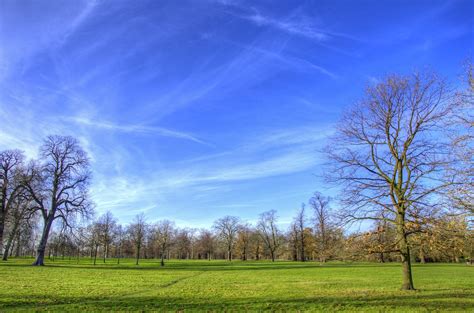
(294, 24)
(51, 29)
(78, 20)
(137, 129)
(241, 69)
(292, 27)
(286, 151)
(76, 95)
(292, 61)
(285, 163)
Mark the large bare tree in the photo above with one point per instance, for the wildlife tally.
(389, 153)
(10, 163)
(59, 185)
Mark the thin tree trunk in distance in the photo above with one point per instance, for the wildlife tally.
(11, 237)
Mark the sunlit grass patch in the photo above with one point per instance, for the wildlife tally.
(220, 285)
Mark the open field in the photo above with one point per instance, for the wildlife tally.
(237, 286)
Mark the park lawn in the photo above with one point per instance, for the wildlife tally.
(64, 285)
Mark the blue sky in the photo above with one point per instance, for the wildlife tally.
(192, 110)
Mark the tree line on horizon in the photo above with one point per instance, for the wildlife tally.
(230, 238)
(402, 158)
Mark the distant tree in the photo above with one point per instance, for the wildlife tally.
(80, 239)
(94, 240)
(320, 206)
(58, 185)
(268, 230)
(376, 244)
(449, 238)
(206, 242)
(11, 162)
(294, 240)
(300, 221)
(184, 242)
(106, 224)
(382, 239)
(119, 239)
(192, 236)
(164, 231)
(137, 232)
(256, 245)
(243, 241)
(389, 153)
(227, 228)
(19, 213)
(310, 243)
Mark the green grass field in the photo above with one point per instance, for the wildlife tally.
(237, 286)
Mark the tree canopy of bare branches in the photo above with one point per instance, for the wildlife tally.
(59, 185)
(389, 154)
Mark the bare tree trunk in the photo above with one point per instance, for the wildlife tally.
(272, 253)
(471, 255)
(18, 245)
(118, 255)
(2, 228)
(12, 248)
(302, 256)
(95, 253)
(138, 254)
(381, 257)
(294, 251)
(422, 256)
(105, 252)
(407, 274)
(405, 254)
(44, 240)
